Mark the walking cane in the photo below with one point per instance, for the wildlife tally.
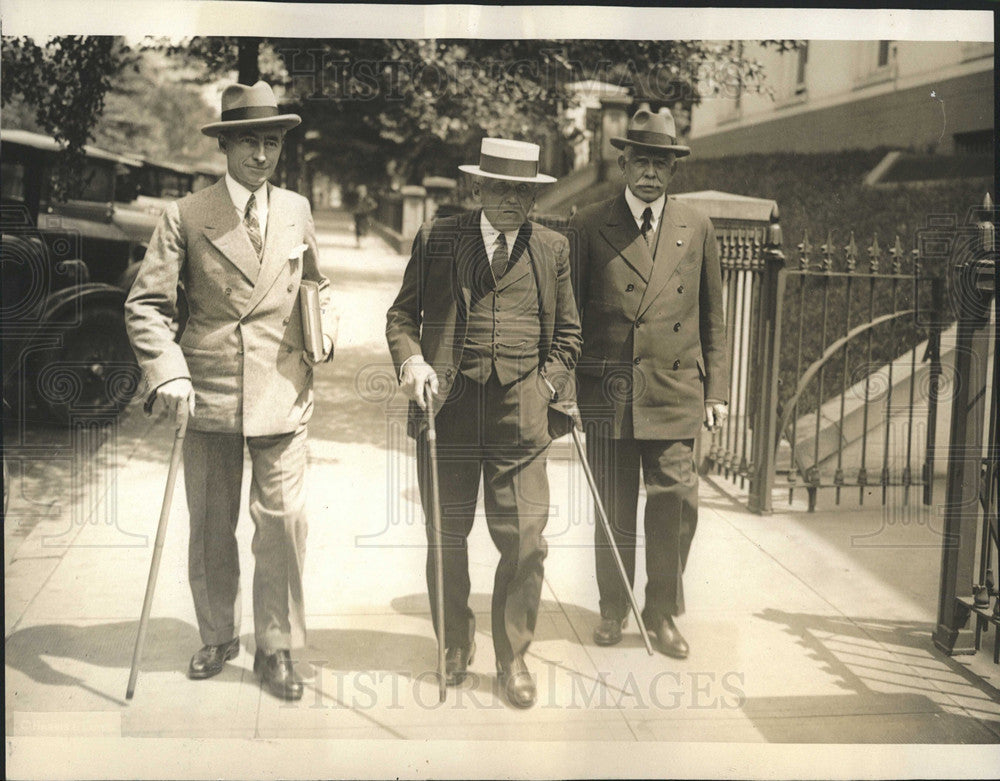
(607, 533)
(438, 544)
(161, 533)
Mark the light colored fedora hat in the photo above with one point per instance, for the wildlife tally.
(516, 161)
(647, 130)
(250, 107)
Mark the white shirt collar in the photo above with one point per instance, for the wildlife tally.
(637, 207)
(491, 234)
(240, 195)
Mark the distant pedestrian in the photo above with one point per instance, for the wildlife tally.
(241, 247)
(364, 206)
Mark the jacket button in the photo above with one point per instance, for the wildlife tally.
(629, 288)
(637, 361)
(229, 291)
(288, 349)
(290, 288)
(680, 289)
(677, 327)
(285, 321)
(677, 365)
(679, 242)
(637, 324)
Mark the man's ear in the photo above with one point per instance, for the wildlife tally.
(477, 187)
(221, 138)
(673, 167)
(621, 162)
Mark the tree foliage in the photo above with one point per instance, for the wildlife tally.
(376, 108)
(417, 106)
(65, 80)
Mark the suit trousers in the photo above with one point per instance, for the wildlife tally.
(213, 476)
(497, 434)
(671, 516)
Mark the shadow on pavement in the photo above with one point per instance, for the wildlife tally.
(481, 605)
(357, 650)
(892, 676)
(169, 644)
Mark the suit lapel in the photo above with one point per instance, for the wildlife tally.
(280, 222)
(673, 239)
(470, 256)
(225, 231)
(621, 232)
(540, 265)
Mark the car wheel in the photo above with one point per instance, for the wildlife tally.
(93, 374)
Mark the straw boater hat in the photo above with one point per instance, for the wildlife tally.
(647, 130)
(253, 107)
(516, 161)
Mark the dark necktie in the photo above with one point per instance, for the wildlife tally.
(647, 223)
(252, 226)
(500, 258)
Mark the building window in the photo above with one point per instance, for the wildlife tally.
(732, 94)
(876, 63)
(977, 142)
(790, 77)
(800, 70)
(883, 54)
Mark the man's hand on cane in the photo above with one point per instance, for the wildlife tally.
(416, 374)
(172, 394)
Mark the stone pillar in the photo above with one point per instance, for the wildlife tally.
(614, 122)
(413, 210)
(440, 189)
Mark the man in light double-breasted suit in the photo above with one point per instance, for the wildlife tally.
(240, 249)
(654, 368)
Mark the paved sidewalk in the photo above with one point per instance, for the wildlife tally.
(804, 629)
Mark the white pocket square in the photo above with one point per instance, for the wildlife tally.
(298, 251)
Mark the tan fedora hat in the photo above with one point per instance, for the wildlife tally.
(516, 161)
(647, 130)
(250, 107)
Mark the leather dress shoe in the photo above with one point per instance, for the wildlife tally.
(211, 659)
(609, 631)
(456, 661)
(277, 674)
(671, 642)
(516, 682)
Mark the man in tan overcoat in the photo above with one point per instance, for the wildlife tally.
(240, 249)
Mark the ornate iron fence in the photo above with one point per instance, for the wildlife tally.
(831, 388)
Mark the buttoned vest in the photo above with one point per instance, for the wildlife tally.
(503, 320)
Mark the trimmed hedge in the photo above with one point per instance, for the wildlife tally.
(824, 195)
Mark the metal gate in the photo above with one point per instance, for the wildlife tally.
(836, 358)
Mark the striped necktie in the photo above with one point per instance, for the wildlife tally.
(500, 258)
(252, 226)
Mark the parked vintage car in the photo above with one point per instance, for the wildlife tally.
(154, 184)
(64, 343)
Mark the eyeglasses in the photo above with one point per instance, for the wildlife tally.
(501, 188)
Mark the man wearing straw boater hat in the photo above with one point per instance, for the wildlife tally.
(240, 249)
(485, 317)
(654, 369)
